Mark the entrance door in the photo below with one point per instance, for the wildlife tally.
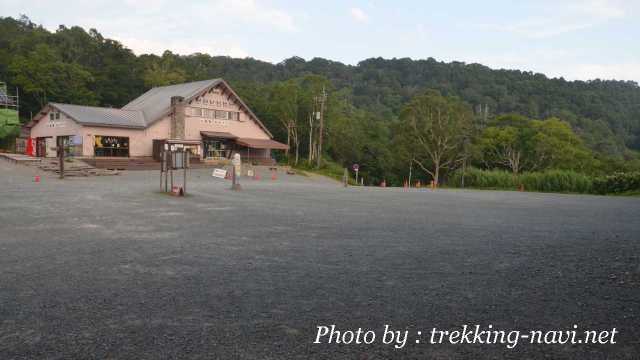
(216, 148)
(41, 147)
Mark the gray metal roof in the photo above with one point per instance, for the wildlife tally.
(99, 116)
(156, 102)
(148, 107)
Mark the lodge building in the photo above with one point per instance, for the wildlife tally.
(207, 117)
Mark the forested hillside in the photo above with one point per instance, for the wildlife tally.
(364, 103)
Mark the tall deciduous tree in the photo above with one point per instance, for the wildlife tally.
(284, 106)
(434, 128)
(508, 142)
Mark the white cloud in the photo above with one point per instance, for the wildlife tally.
(565, 18)
(359, 15)
(621, 71)
(600, 8)
(182, 47)
(252, 12)
(557, 63)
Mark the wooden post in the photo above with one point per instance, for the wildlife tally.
(345, 177)
(60, 149)
(161, 168)
(321, 127)
(185, 163)
(166, 171)
(235, 175)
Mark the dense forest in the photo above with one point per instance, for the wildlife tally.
(374, 111)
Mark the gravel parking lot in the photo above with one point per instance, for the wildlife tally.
(109, 268)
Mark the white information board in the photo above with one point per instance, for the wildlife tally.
(219, 173)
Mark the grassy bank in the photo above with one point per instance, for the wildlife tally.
(328, 169)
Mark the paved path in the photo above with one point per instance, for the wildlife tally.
(19, 158)
(109, 268)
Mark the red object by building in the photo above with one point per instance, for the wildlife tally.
(29, 149)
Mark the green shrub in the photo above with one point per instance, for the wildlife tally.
(617, 183)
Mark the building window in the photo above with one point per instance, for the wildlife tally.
(216, 149)
(233, 115)
(115, 146)
(57, 115)
(221, 114)
(196, 112)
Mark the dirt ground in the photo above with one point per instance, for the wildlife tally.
(109, 268)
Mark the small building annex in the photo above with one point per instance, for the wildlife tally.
(207, 117)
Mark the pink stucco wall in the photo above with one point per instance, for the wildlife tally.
(140, 141)
(245, 128)
(62, 127)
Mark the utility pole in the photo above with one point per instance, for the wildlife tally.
(322, 100)
(410, 169)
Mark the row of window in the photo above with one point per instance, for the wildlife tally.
(218, 103)
(215, 114)
(54, 115)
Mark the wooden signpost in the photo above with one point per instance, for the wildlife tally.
(174, 157)
(60, 149)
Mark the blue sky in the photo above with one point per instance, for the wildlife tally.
(575, 39)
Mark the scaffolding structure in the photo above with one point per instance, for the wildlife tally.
(9, 106)
(9, 117)
(11, 102)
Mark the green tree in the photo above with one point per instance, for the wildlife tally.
(558, 147)
(43, 74)
(508, 142)
(520, 144)
(163, 71)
